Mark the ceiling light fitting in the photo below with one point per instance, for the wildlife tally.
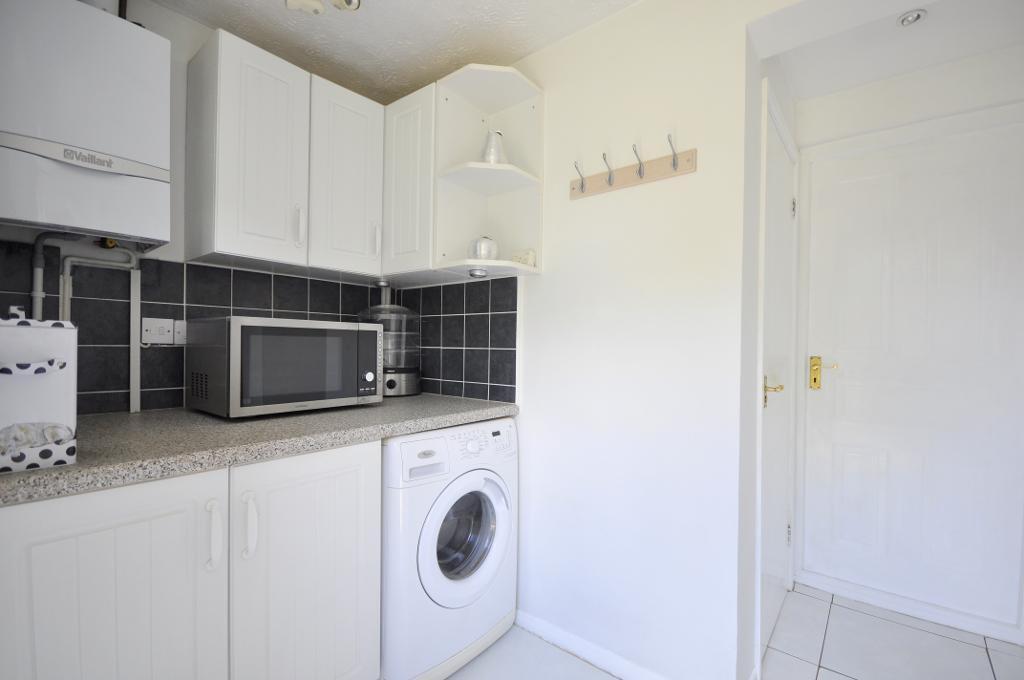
(317, 6)
(912, 17)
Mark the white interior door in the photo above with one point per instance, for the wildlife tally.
(346, 179)
(913, 481)
(125, 583)
(305, 567)
(778, 425)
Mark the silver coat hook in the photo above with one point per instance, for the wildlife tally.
(675, 156)
(583, 180)
(611, 173)
(640, 167)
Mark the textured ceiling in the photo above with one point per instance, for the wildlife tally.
(392, 47)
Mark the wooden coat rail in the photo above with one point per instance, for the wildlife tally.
(629, 176)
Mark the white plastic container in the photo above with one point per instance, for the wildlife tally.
(38, 386)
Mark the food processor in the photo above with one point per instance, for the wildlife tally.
(401, 347)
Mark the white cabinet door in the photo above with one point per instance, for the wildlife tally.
(119, 584)
(262, 179)
(409, 182)
(305, 567)
(346, 179)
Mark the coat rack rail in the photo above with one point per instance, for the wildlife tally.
(629, 175)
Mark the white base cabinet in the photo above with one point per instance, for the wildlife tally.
(305, 567)
(120, 584)
(138, 582)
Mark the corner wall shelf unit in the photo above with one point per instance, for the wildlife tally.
(490, 89)
(494, 268)
(474, 198)
(489, 179)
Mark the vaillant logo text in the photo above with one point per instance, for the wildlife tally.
(90, 158)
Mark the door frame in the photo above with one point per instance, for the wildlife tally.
(772, 116)
(963, 122)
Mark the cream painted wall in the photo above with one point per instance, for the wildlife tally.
(983, 81)
(631, 374)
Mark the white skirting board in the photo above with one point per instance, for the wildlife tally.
(911, 607)
(584, 649)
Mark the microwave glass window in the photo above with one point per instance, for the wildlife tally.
(285, 365)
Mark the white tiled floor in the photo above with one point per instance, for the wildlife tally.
(821, 637)
(519, 655)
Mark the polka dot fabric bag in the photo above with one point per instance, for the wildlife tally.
(38, 385)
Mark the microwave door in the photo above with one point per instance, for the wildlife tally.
(295, 367)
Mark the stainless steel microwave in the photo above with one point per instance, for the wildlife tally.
(238, 366)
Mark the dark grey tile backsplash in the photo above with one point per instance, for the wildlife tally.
(468, 330)
(162, 281)
(16, 277)
(250, 289)
(468, 338)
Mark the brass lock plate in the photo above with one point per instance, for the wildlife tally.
(815, 373)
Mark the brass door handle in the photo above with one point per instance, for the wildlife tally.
(770, 388)
(814, 370)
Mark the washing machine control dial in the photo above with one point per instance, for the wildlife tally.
(473, 446)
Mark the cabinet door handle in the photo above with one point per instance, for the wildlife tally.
(216, 534)
(301, 226)
(378, 238)
(252, 524)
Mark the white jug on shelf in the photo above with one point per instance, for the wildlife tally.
(494, 151)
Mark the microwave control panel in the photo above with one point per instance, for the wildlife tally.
(371, 349)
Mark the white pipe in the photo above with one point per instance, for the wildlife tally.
(73, 260)
(38, 262)
(135, 313)
(37, 293)
(135, 343)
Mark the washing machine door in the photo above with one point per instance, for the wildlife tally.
(465, 538)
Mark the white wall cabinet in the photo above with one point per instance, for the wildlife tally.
(126, 583)
(305, 566)
(285, 168)
(247, 154)
(409, 182)
(346, 174)
(282, 167)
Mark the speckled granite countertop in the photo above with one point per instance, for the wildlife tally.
(117, 449)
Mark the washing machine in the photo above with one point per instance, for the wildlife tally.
(449, 547)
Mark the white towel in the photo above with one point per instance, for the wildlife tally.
(28, 435)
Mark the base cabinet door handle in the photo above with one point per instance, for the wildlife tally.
(252, 525)
(216, 534)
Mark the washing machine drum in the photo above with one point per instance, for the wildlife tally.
(465, 539)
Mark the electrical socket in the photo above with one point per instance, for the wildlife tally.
(179, 332)
(157, 331)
